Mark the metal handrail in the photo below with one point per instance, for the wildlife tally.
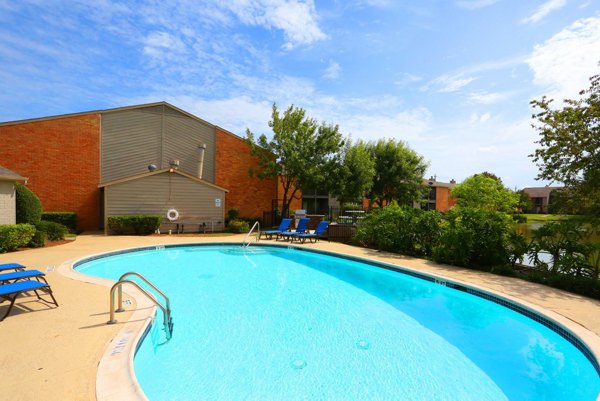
(167, 320)
(145, 280)
(247, 244)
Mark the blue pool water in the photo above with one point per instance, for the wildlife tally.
(282, 324)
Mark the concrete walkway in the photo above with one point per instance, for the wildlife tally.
(52, 353)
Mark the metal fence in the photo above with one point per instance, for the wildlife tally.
(343, 222)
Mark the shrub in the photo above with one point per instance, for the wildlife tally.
(13, 236)
(29, 207)
(476, 238)
(38, 240)
(589, 287)
(404, 229)
(67, 219)
(519, 218)
(233, 214)
(238, 226)
(54, 231)
(567, 244)
(140, 225)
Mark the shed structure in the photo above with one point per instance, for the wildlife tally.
(199, 204)
(8, 196)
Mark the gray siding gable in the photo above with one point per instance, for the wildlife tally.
(132, 139)
(158, 193)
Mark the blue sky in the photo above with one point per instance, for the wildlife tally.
(452, 78)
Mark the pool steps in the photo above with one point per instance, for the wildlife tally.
(166, 308)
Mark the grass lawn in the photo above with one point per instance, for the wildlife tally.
(545, 218)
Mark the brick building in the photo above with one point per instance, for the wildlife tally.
(439, 196)
(135, 160)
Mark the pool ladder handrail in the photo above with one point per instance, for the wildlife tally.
(245, 242)
(166, 309)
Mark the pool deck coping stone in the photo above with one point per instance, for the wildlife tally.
(95, 361)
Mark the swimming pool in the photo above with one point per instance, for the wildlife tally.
(274, 323)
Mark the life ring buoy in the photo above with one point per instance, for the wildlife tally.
(172, 214)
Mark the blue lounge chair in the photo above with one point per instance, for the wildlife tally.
(319, 232)
(10, 292)
(13, 277)
(284, 226)
(300, 228)
(11, 266)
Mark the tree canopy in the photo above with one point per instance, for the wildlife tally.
(399, 173)
(487, 192)
(569, 150)
(353, 177)
(301, 151)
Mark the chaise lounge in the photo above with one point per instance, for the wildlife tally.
(284, 226)
(300, 228)
(11, 266)
(7, 278)
(319, 232)
(10, 292)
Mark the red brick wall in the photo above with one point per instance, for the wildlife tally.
(249, 194)
(443, 199)
(61, 158)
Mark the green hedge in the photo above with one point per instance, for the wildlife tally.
(39, 239)
(28, 205)
(54, 231)
(476, 238)
(13, 236)
(67, 219)
(400, 229)
(139, 225)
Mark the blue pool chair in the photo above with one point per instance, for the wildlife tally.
(7, 278)
(11, 266)
(284, 226)
(10, 292)
(300, 228)
(319, 232)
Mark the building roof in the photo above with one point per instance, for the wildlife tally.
(540, 192)
(8, 175)
(163, 170)
(117, 109)
(434, 183)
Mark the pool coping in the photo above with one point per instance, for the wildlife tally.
(116, 380)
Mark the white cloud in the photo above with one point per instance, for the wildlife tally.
(542, 11)
(475, 4)
(484, 97)
(249, 113)
(332, 71)
(479, 118)
(408, 125)
(449, 83)
(158, 43)
(296, 18)
(486, 149)
(379, 3)
(407, 79)
(563, 64)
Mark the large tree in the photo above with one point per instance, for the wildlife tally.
(353, 176)
(301, 152)
(485, 191)
(399, 172)
(569, 142)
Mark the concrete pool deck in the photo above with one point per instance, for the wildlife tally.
(53, 353)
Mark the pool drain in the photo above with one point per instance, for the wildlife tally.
(299, 364)
(362, 344)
